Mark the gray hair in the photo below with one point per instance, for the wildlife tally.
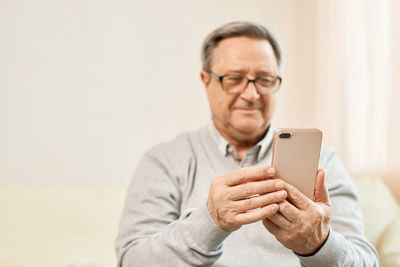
(235, 29)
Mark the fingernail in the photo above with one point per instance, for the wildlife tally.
(275, 207)
(279, 184)
(282, 194)
(271, 171)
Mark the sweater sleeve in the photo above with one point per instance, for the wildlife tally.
(346, 244)
(152, 230)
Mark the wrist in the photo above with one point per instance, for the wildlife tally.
(218, 220)
(313, 251)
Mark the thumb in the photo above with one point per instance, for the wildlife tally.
(321, 192)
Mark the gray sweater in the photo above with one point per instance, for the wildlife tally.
(165, 221)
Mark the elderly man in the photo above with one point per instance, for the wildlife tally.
(209, 197)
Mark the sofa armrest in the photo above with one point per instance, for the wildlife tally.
(389, 245)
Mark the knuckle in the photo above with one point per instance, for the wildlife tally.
(308, 225)
(247, 189)
(270, 210)
(230, 220)
(315, 215)
(223, 196)
(223, 213)
(260, 171)
(240, 176)
(250, 204)
(230, 194)
(285, 238)
(295, 196)
(283, 206)
(218, 196)
(291, 228)
(317, 212)
(268, 185)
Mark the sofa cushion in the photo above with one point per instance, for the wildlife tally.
(59, 226)
(378, 206)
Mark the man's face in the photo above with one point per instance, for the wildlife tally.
(242, 117)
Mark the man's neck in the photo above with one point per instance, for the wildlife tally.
(242, 151)
(241, 142)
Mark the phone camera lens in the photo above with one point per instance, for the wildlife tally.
(285, 135)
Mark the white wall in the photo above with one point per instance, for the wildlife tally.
(87, 86)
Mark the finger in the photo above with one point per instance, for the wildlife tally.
(256, 215)
(260, 201)
(249, 174)
(252, 188)
(271, 227)
(290, 212)
(280, 221)
(297, 198)
(321, 192)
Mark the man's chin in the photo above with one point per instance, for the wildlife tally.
(249, 127)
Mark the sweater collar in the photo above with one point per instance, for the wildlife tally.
(227, 149)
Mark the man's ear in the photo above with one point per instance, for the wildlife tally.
(205, 78)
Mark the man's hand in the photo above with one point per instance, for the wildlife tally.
(244, 196)
(301, 224)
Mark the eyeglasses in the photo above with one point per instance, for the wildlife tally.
(235, 84)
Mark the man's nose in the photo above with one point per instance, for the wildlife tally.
(250, 93)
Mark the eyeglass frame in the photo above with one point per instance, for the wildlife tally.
(220, 79)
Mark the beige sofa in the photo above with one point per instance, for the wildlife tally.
(76, 226)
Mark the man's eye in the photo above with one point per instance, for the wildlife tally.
(234, 78)
(266, 81)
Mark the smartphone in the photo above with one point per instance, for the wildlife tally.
(295, 157)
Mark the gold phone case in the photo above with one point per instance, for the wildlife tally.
(296, 157)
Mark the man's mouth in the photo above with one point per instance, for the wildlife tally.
(248, 108)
